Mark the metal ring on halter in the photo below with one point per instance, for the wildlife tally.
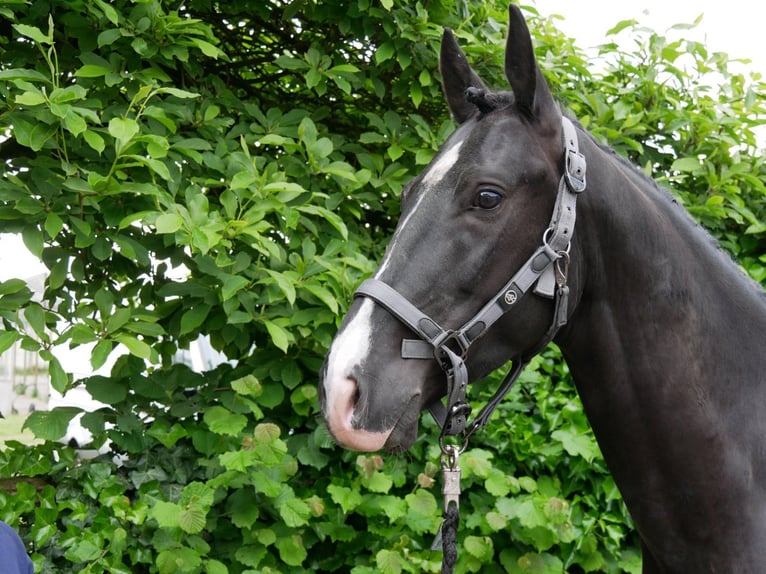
(546, 236)
(453, 449)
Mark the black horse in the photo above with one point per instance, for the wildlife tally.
(663, 334)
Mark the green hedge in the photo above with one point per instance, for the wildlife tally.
(234, 171)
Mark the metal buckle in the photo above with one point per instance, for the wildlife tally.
(575, 171)
(455, 341)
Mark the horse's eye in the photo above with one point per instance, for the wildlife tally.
(487, 198)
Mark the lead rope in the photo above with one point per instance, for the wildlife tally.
(446, 537)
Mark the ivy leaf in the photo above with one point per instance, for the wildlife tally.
(83, 550)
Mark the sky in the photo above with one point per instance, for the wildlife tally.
(734, 27)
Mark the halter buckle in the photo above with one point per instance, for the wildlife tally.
(455, 341)
(575, 171)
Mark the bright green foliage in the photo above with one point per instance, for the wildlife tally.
(233, 170)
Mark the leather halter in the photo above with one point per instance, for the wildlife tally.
(546, 269)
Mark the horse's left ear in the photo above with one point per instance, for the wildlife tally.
(530, 90)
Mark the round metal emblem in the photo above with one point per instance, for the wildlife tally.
(510, 297)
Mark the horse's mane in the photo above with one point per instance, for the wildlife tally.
(644, 181)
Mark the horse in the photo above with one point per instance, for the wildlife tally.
(660, 329)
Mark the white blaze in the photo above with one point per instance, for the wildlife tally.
(433, 176)
(352, 345)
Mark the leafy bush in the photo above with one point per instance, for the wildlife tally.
(234, 171)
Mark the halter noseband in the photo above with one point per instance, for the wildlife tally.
(546, 269)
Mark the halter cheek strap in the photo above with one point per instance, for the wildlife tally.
(546, 270)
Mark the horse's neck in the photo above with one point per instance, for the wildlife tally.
(666, 350)
(652, 282)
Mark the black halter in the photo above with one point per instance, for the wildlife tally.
(546, 269)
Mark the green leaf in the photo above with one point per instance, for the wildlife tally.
(231, 285)
(53, 225)
(422, 511)
(135, 346)
(292, 551)
(249, 386)
(323, 294)
(53, 424)
(480, 547)
(167, 514)
(108, 37)
(384, 52)
(222, 421)
(106, 390)
(284, 283)
(7, 339)
(30, 98)
(71, 93)
(74, 123)
(123, 130)
(168, 223)
(380, 482)
(347, 498)
(178, 93)
(194, 317)
(687, 164)
(110, 13)
(35, 316)
(83, 550)
(389, 561)
(34, 33)
(294, 511)
(178, 560)
(92, 71)
(279, 336)
(577, 443)
(192, 520)
(33, 239)
(332, 218)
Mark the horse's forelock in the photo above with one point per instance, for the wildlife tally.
(487, 102)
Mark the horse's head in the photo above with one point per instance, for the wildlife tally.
(469, 222)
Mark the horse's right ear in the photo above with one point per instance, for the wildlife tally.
(457, 77)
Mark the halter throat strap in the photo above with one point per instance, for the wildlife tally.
(546, 270)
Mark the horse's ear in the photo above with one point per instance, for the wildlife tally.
(530, 90)
(457, 77)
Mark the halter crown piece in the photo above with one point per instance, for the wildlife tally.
(546, 270)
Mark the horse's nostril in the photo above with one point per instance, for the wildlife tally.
(355, 394)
